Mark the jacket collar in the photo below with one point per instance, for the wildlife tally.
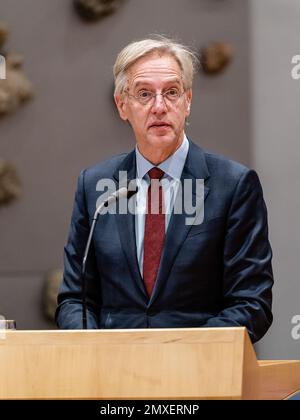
(195, 164)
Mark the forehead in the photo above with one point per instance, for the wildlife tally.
(155, 68)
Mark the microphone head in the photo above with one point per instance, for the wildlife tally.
(132, 188)
(123, 192)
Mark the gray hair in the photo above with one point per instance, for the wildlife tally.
(185, 57)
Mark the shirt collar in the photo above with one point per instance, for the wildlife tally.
(173, 166)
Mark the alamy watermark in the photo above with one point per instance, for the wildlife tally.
(2, 68)
(296, 329)
(296, 69)
(179, 197)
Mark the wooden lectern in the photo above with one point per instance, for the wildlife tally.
(164, 364)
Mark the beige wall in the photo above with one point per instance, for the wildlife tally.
(275, 34)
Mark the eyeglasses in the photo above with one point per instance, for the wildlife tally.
(146, 97)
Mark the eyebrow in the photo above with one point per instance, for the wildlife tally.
(171, 81)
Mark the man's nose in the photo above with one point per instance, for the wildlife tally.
(159, 104)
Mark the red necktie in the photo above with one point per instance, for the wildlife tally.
(154, 230)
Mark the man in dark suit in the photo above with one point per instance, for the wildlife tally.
(153, 269)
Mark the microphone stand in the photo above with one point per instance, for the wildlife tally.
(83, 269)
(115, 196)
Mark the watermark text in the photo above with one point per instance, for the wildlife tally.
(296, 68)
(2, 68)
(296, 329)
(168, 196)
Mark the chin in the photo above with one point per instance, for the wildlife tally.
(165, 140)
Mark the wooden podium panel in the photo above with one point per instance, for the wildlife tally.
(187, 363)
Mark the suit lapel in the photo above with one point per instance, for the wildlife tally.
(195, 168)
(126, 225)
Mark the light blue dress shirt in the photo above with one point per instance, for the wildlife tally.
(172, 168)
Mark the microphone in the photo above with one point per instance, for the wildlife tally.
(114, 197)
(121, 193)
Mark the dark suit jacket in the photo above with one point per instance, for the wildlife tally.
(216, 274)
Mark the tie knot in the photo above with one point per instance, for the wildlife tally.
(156, 173)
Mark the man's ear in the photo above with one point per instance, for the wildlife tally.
(189, 95)
(121, 103)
